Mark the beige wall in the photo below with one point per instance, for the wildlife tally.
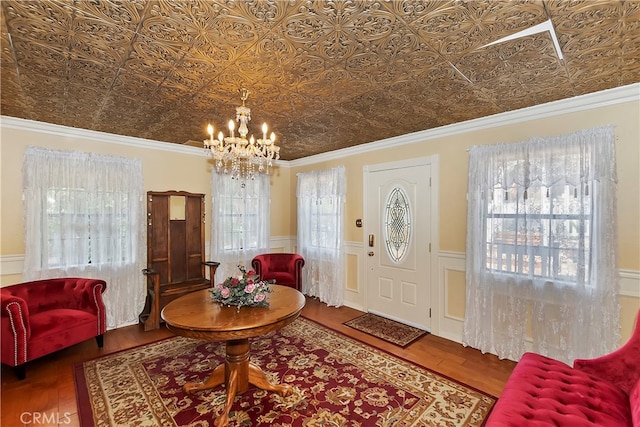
(453, 166)
(163, 170)
(281, 213)
(452, 152)
(169, 170)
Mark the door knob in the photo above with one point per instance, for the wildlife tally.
(370, 253)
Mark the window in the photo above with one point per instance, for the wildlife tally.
(397, 224)
(321, 197)
(240, 221)
(541, 248)
(323, 224)
(84, 217)
(540, 231)
(241, 217)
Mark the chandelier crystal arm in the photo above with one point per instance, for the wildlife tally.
(237, 155)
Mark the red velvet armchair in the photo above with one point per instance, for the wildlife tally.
(285, 269)
(603, 392)
(44, 316)
(621, 367)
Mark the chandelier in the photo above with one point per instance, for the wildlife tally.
(237, 156)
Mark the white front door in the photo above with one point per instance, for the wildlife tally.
(397, 243)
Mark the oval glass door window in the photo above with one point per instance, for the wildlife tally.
(397, 224)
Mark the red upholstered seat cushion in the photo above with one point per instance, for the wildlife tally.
(53, 330)
(282, 277)
(546, 392)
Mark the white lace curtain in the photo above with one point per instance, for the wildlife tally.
(84, 217)
(321, 199)
(541, 247)
(240, 221)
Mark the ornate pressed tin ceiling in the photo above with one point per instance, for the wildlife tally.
(324, 74)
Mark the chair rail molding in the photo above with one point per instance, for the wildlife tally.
(449, 261)
(629, 283)
(11, 264)
(283, 244)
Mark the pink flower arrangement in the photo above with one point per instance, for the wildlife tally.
(246, 289)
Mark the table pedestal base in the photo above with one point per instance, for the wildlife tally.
(236, 373)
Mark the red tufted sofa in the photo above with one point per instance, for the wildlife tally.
(601, 392)
(44, 316)
(284, 268)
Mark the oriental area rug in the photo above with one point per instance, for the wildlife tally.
(389, 330)
(337, 381)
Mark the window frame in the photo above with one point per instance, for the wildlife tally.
(549, 254)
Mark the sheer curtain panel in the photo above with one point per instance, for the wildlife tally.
(240, 221)
(541, 247)
(321, 198)
(84, 217)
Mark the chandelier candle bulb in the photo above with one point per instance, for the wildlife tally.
(210, 131)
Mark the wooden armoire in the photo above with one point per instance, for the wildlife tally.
(175, 251)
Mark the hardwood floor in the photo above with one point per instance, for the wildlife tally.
(47, 396)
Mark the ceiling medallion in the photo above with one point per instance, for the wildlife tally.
(238, 156)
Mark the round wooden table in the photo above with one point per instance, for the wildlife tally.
(196, 315)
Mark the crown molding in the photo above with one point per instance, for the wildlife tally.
(620, 95)
(102, 137)
(629, 93)
(95, 136)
